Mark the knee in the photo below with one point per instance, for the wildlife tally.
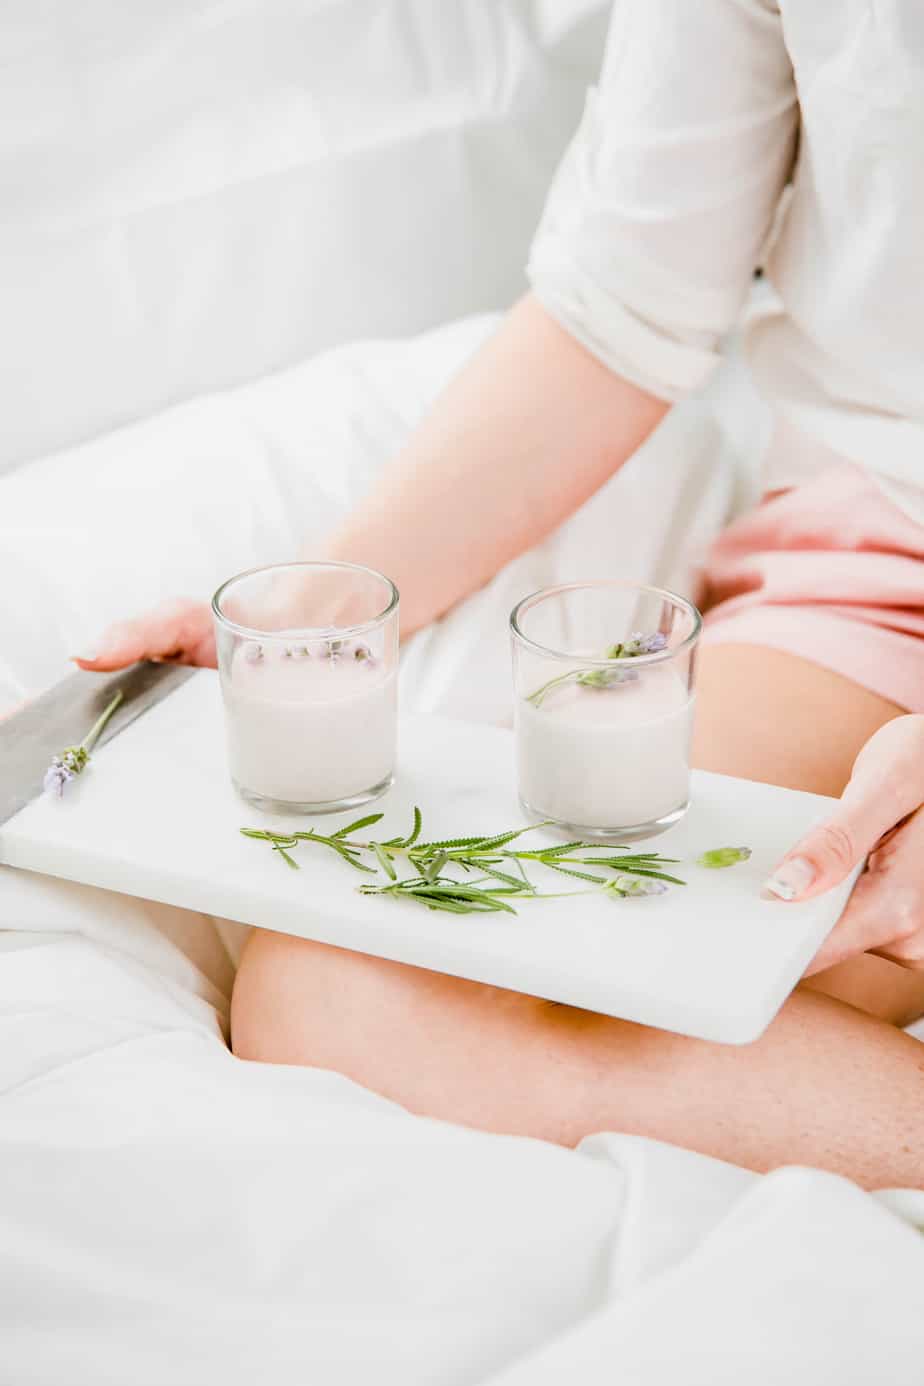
(875, 985)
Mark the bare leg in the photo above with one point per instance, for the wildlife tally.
(827, 1085)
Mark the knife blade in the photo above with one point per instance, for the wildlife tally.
(62, 716)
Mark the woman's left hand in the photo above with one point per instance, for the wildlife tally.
(881, 812)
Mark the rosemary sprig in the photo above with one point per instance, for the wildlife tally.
(498, 867)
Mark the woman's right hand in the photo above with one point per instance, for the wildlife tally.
(180, 631)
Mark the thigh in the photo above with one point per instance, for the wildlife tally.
(826, 1085)
(767, 715)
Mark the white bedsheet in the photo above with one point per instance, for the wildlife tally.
(168, 1213)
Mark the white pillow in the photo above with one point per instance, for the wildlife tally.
(195, 193)
(174, 505)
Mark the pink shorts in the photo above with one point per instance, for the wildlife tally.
(832, 571)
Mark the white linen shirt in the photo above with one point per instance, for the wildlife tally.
(672, 192)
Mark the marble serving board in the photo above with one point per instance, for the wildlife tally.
(155, 816)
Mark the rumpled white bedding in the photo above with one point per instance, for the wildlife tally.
(169, 1213)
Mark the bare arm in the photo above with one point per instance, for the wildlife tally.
(531, 428)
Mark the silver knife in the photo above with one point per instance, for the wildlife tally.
(63, 715)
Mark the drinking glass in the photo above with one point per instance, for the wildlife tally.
(603, 678)
(307, 657)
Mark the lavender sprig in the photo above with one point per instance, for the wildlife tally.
(637, 644)
(73, 761)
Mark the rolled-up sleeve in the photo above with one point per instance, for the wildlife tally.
(658, 213)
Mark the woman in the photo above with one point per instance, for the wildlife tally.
(670, 196)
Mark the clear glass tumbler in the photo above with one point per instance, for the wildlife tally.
(308, 656)
(603, 681)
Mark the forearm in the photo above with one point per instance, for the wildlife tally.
(529, 430)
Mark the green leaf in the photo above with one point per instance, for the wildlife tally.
(415, 831)
(353, 860)
(360, 823)
(501, 839)
(290, 861)
(384, 861)
(658, 875)
(581, 875)
(432, 868)
(519, 882)
(423, 848)
(412, 836)
(449, 906)
(481, 899)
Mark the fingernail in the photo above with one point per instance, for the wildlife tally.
(791, 879)
(88, 658)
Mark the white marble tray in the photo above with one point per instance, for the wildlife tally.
(155, 816)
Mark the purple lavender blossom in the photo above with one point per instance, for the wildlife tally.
(333, 650)
(56, 777)
(641, 644)
(350, 649)
(73, 761)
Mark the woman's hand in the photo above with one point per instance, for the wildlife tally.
(179, 630)
(881, 813)
(182, 631)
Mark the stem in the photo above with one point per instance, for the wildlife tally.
(537, 697)
(96, 731)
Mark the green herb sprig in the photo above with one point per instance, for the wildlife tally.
(497, 868)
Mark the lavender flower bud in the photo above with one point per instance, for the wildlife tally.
(56, 777)
(627, 886)
(640, 644)
(606, 678)
(74, 759)
(723, 856)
